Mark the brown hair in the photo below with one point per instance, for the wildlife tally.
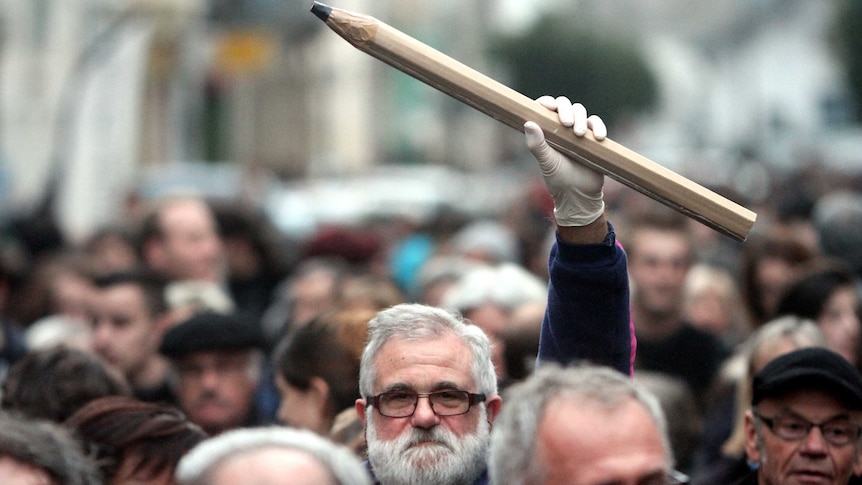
(118, 428)
(329, 347)
(55, 382)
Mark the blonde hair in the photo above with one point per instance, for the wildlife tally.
(756, 352)
(705, 279)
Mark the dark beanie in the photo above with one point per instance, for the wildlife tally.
(809, 368)
(211, 331)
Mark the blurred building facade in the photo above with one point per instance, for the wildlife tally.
(93, 93)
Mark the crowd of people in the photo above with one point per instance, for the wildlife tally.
(197, 346)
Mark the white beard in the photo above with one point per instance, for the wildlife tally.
(450, 460)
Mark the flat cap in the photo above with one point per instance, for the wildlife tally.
(211, 331)
(809, 368)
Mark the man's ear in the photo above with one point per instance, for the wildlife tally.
(857, 464)
(154, 254)
(752, 450)
(492, 406)
(164, 322)
(360, 410)
(320, 391)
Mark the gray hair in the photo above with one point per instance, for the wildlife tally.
(800, 332)
(47, 446)
(513, 440)
(197, 467)
(507, 285)
(422, 322)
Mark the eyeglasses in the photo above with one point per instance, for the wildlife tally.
(837, 432)
(401, 404)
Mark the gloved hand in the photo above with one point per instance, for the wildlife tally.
(576, 189)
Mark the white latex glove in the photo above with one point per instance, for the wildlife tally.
(576, 189)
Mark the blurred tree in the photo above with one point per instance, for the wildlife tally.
(291, 18)
(849, 34)
(608, 75)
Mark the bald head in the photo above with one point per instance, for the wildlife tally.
(272, 466)
(270, 456)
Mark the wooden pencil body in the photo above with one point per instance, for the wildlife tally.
(513, 108)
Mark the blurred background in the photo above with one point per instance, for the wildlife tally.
(107, 102)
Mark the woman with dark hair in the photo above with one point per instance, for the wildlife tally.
(828, 296)
(55, 382)
(135, 441)
(317, 369)
(768, 264)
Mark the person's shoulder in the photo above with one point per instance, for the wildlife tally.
(696, 335)
(698, 341)
(725, 470)
(750, 479)
(483, 479)
(13, 345)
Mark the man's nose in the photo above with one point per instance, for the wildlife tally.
(210, 377)
(101, 334)
(814, 442)
(424, 415)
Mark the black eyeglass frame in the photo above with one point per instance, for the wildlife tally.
(771, 423)
(472, 400)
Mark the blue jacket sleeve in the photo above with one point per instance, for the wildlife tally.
(588, 317)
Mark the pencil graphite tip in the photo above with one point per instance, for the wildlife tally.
(321, 10)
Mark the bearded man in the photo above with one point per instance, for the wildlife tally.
(428, 388)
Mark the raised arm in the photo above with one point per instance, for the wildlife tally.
(588, 314)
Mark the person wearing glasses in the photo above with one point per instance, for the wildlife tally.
(582, 425)
(805, 420)
(427, 383)
(429, 395)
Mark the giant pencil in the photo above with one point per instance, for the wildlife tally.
(512, 108)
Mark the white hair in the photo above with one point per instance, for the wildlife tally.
(513, 442)
(507, 285)
(422, 322)
(197, 467)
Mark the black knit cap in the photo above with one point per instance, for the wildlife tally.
(809, 368)
(210, 331)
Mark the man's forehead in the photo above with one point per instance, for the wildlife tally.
(214, 356)
(424, 363)
(443, 342)
(598, 443)
(123, 298)
(809, 402)
(123, 287)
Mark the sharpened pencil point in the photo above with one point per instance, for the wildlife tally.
(321, 10)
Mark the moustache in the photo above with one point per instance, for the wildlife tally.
(210, 397)
(436, 436)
